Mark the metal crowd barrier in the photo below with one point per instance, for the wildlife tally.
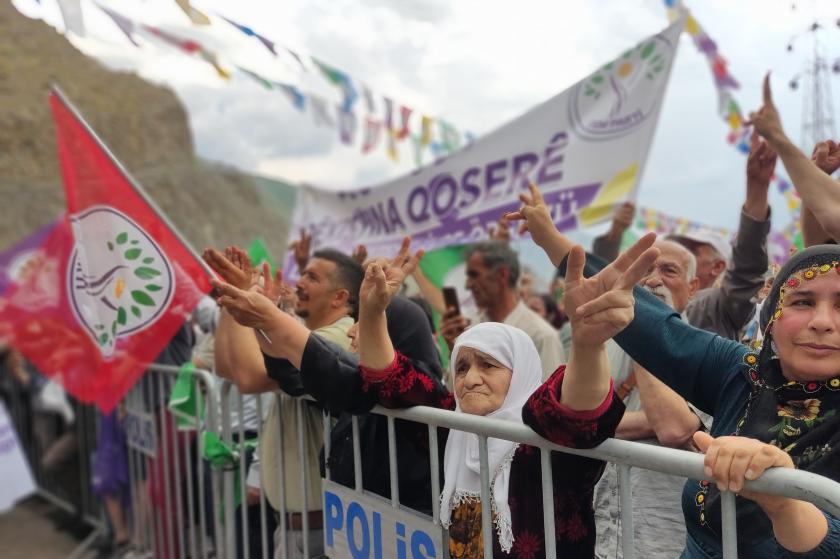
(805, 486)
(164, 507)
(822, 491)
(180, 507)
(59, 453)
(174, 500)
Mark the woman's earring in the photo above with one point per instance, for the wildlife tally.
(774, 354)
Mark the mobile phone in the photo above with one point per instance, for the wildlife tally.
(450, 298)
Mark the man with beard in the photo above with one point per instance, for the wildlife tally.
(655, 414)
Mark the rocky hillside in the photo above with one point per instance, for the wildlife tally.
(144, 125)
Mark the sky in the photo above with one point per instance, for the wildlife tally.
(477, 64)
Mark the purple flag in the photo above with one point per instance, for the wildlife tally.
(125, 24)
(13, 261)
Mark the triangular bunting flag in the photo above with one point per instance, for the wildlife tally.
(195, 15)
(269, 44)
(405, 117)
(371, 138)
(320, 111)
(125, 24)
(426, 130)
(297, 98)
(266, 83)
(71, 12)
(346, 127)
(339, 79)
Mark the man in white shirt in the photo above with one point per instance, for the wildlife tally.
(492, 275)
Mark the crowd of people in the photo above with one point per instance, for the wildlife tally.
(686, 341)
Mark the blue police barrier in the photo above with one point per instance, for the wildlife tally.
(365, 526)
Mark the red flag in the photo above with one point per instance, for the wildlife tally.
(116, 281)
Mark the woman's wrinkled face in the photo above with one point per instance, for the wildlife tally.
(807, 334)
(481, 382)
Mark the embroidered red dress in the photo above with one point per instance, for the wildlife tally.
(574, 477)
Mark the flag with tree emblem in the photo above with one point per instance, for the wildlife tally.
(116, 281)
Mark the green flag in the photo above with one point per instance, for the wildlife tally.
(436, 265)
(185, 401)
(223, 456)
(258, 253)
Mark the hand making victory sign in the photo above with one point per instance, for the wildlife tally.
(383, 279)
(602, 306)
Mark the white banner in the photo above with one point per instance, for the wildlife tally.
(14, 469)
(585, 148)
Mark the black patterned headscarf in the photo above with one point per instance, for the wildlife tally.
(801, 418)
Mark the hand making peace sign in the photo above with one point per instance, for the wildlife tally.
(383, 279)
(602, 306)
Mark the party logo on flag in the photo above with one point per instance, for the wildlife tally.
(119, 281)
(616, 99)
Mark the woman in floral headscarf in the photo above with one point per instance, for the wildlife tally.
(774, 408)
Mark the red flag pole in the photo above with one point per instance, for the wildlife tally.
(55, 90)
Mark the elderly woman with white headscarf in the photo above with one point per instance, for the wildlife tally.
(496, 371)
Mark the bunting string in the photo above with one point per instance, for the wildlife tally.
(398, 121)
(739, 134)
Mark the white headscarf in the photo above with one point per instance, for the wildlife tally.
(462, 479)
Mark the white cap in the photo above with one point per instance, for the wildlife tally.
(206, 314)
(705, 237)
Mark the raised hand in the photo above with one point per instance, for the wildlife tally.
(761, 162)
(766, 120)
(452, 325)
(602, 306)
(247, 307)
(300, 249)
(360, 254)
(501, 231)
(272, 286)
(826, 156)
(383, 278)
(622, 220)
(227, 269)
(241, 260)
(535, 217)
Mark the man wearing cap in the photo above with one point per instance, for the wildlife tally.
(711, 250)
(730, 275)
